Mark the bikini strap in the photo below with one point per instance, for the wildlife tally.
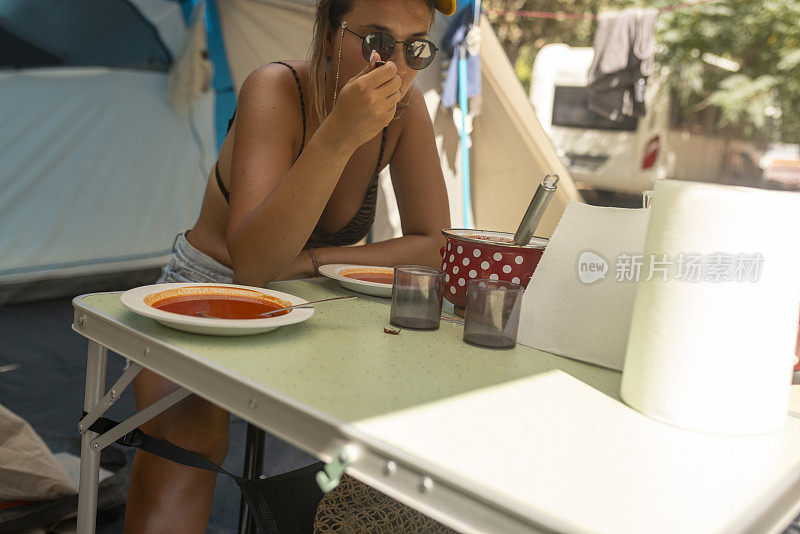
(222, 188)
(302, 100)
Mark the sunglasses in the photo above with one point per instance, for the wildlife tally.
(419, 53)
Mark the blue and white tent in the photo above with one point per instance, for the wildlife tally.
(100, 170)
(110, 127)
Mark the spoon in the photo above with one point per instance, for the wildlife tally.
(304, 305)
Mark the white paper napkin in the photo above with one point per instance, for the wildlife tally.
(585, 314)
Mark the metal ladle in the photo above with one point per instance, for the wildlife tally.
(536, 209)
(303, 305)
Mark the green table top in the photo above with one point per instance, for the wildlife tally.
(342, 363)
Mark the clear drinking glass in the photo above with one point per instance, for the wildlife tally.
(491, 316)
(417, 294)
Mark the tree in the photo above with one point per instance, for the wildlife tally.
(738, 56)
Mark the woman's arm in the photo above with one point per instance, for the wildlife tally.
(421, 198)
(275, 204)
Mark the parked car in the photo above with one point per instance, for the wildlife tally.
(782, 167)
(629, 155)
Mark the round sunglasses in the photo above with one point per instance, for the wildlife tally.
(418, 53)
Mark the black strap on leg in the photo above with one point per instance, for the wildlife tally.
(138, 439)
(281, 504)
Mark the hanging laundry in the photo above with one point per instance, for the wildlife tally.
(624, 47)
(461, 31)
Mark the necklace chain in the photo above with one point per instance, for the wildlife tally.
(336, 81)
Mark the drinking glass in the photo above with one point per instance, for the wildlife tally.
(491, 316)
(417, 294)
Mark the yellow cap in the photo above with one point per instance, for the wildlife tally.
(448, 7)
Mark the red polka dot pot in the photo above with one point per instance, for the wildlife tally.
(484, 254)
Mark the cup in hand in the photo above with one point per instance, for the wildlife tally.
(417, 297)
(491, 315)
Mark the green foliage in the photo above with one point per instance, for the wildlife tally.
(743, 101)
(762, 37)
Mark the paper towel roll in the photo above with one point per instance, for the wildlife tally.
(707, 355)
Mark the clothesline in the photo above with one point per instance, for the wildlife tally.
(560, 15)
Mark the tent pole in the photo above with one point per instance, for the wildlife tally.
(223, 82)
(463, 103)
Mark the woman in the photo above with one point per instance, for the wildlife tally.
(295, 181)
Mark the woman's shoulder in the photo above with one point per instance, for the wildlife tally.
(273, 79)
(285, 68)
(268, 97)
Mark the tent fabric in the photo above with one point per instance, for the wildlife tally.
(17, 53)
(511, 152)
(112, 33)
(166, 18)
(258, 32)
(105, 170)
(28, 470)
(100, 172)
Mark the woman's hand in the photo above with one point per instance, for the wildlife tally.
(367, 102)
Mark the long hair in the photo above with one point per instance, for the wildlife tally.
(330, 14)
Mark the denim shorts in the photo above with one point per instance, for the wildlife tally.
(188, 264)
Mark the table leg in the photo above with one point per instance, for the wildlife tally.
(253, 466)
(90, 460)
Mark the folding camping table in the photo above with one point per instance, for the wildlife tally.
(469, 436)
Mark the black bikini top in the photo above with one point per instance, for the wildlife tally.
(360, 224)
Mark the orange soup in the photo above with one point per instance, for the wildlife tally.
(379, 277)
(492, 239)
(220, 306)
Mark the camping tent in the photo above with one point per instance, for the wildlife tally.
(101, 171)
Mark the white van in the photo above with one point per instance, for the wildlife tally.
(627, 156)
(621, 156)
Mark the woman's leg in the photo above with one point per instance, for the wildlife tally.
(166, 497)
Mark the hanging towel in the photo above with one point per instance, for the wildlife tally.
(624, 47)
(460, 31)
